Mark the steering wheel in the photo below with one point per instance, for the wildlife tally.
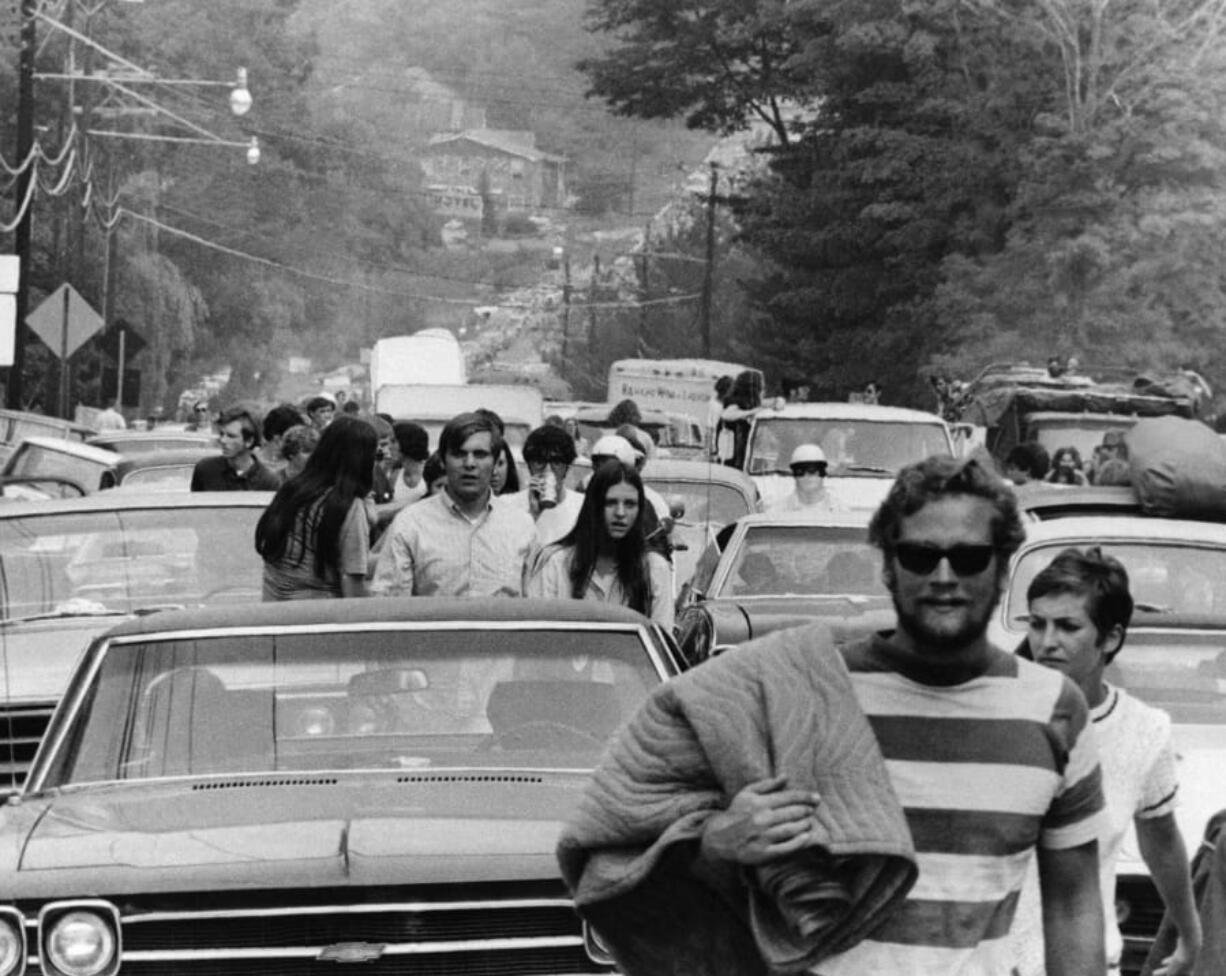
(546, 734)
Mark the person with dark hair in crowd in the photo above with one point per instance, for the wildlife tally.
(236, 468)
(314, 536)
(297, 443)
(743, 403)
(604, 556)
(276, 422)
(387, 454)
(202, 416)
(989, 755)
(505, 480)
(715, 408)
(794, 389)
(1080, 608)
(1026, 462)
(320, 410)
(351, 407)
(625, 412)
(1066, 468)
(459, 543)
(413, 446)
(549, 452)
(434, 474)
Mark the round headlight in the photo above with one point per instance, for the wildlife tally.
(316, 721)
(11, 946)
(81, 944)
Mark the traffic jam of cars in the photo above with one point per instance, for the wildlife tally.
(201, 782)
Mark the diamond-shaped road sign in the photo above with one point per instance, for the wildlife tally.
(64, 321)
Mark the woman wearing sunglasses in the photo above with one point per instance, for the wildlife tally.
(605, 556)
(810, 493)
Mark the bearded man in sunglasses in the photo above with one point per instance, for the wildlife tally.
(990, 755)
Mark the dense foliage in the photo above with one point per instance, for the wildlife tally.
(982, 180)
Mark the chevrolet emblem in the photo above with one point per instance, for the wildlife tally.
(352, 952)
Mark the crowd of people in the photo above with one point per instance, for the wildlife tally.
(1108, 465)
(1017, 779)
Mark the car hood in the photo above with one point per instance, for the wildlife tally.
(39, 656)
(296, 830)
(1201, 757)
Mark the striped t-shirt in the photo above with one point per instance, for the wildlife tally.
(985, 771)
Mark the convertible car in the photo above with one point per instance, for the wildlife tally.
(281, 787)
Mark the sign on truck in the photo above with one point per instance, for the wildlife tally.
(682, 386)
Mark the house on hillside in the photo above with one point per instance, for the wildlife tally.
(519, 174)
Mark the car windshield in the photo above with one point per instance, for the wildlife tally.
(151, 445)
(778, 560)
(704, 501)
(853, 448)
(1168, 582)
(125, 561)
(394, 698)
(36, 461)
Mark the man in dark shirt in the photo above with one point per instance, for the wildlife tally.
(236, 468)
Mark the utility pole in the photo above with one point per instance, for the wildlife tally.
(708, 277)
(640, 345)
(21, 237)
(566, 309)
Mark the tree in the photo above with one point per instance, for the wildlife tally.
(1118, 230)
(718, 63)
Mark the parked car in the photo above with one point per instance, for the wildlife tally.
(71, 569)
(131, 442)
(17, 425)
(677, 433)
(286, 786)
(1174, 656)
(94, 468)
(768, 572)
(865, 446)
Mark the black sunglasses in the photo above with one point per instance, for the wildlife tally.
(921, 559)
(811, 467)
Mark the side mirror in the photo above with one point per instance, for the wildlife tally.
(676, 507)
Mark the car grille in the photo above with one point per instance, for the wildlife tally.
(21, 730)
(412, 931)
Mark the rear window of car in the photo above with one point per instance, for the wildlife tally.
(336, 699)
(707, 502)
(127, 561)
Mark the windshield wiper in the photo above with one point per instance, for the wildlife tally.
(1153, 608)
(65, 614)
(867, 468)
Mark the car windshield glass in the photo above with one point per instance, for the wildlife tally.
(35, 461)
(852, 447)
(704, 502)
(369, 699)
(798, 559)
(128, 560)
(150, 445)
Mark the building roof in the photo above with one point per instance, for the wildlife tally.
(509, 141)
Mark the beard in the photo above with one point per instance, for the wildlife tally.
(944, 631)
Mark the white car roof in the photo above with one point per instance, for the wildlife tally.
(837, 410)
(1089, 529)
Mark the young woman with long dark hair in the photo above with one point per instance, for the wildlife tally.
(314, 536)
(605, 556)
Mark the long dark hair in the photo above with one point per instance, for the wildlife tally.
(339, 470)
(586, 539)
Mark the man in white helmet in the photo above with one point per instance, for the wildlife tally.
(810, 494)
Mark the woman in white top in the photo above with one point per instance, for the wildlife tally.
(605, 556)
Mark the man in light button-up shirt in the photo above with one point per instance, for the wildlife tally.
(458, 543)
